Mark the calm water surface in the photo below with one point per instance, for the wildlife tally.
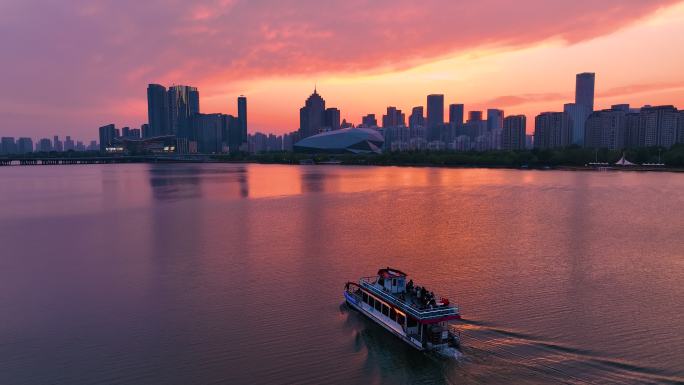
(211, 274)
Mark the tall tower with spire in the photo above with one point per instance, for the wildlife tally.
(312, 115)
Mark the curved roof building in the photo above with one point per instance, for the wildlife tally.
(348, 140)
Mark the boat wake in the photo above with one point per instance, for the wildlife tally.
(482, 342)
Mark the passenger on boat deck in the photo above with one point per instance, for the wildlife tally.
(409, 286)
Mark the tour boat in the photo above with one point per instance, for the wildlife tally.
(413, 313)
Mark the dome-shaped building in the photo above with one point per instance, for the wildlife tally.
(348, 140)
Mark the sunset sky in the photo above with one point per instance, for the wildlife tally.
(71, 66)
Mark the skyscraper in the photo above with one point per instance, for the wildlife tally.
(393, 118)
(157, 111)
(417, 119)
(513, 134)
(107, 135)
(578, 114)
(680, 127)
(183, 103)
(584, 89)
(44, 145)
(332, 118)
(456, 114)
(134, 133)
(24, 145)
(57, 144)
(242, 118)
(435, 111)
(369, 121)
(69, 144)
(7, 145)
(312, 116)
(208, 130)
(474, 116)
(495, 119)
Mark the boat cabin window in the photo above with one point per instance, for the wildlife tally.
(400, 319)
(365, 297)
(385, 311)
(412, 322)
(378, 305)
(393, 314)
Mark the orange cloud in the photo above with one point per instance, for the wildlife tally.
(84, 56)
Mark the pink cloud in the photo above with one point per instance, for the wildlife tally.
(516, 100)
(85, 55)
(633, 89)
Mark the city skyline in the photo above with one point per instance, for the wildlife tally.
(360, 72)
(177, 125)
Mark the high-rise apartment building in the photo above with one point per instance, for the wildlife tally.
(680, 127)
(495, 119)
(24, 145)
(44, 145)
(417, 119)
(513, 133)
(369, 121)
(606, 129)
(332, 118)
(7, 145)
(57, 144)
(552, 130)
(456, 114)
(474, 116)
(393, 118)
(69, 144)
(658, 126)
(435, 111)
(207, 131)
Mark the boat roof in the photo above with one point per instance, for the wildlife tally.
(391, 273)
(422, 314)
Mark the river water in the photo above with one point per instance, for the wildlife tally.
(218, 273)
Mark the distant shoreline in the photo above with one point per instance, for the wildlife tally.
(114, 161)
(570, 159)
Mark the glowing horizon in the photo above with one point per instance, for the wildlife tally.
(79, 67)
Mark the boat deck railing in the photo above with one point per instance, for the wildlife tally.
(369, 283)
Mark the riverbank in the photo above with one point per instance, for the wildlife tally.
(569, 159)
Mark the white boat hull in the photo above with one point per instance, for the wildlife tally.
(383, 321)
